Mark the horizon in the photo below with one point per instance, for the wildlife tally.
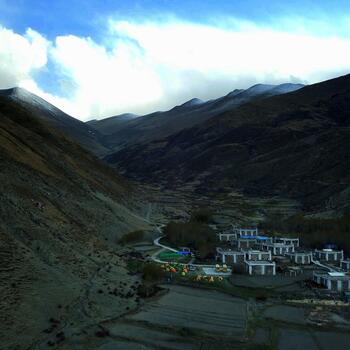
(98, 60)
(166, 110)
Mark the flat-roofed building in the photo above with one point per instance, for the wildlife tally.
(300, 257)
(329, 255)
(345, 264)
(245, 231)
(229, 256)
(258, 255)
(245, 243)
(338, 281)
(227, 236)
(260, 267)
(287, 241)
(277, 248)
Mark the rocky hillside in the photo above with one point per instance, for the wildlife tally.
(62, 212)
(85, 135)
(124, 131)
(295, 145)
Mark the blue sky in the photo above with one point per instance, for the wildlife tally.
(98, 58)
(84, 18)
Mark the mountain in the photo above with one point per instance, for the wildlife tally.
(110, 125)
(295, 145)
(62, 212)
(88, 137)
(120, 133)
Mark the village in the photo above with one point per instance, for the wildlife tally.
(246, 251)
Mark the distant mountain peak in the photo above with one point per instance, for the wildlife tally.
(192, 102)
(260, 88)
(22, 95)
(234, 93)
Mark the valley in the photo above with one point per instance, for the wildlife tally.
(260, 156)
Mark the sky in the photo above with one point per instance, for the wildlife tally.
(95, 59)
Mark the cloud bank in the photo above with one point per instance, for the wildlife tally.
(146, 66)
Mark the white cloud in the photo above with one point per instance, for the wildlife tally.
(20, 56)
(157, 64)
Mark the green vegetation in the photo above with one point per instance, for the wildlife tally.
(152, 273)
(195, 235)
(178, 258)
(132, 237)
(202, 215)
(135, 266)
(314, 232)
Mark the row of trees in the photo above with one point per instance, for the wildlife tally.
(314, 232)
(195, 235)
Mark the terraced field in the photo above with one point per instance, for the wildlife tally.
(197, 310)
(184, 318)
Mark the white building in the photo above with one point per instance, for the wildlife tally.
(245, 231)
(329, 254)
(338, 281)
(227, 236)
(300, 257)
(229, 256)
(345, 264)
(287, 241)
(277, 248)
(260, 267)
(258, 255)
(245, 243)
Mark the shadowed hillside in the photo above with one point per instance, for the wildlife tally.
(62, 212)
(295, 145)
(125, 131)
(86, 136)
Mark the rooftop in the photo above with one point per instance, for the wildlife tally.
(262, 238)
(336, 274)
(276, 244)
(328, 250)
(301, 252)
(259, 262)
(228, 251)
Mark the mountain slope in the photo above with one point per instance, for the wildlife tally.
(125, 132)
(109, 125)
(295, 145)
(62, 212)
(88, 137)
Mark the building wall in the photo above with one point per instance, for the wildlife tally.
(298, 259)
(260, 269)
(230, 259)
(246, 244)
(339, 285)
(345, 265)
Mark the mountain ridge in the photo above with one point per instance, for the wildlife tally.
(266, 147)
(159, 124)
(88, 137)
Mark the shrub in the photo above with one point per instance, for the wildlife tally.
(152, 273)
(202, 215)
(132, 237)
